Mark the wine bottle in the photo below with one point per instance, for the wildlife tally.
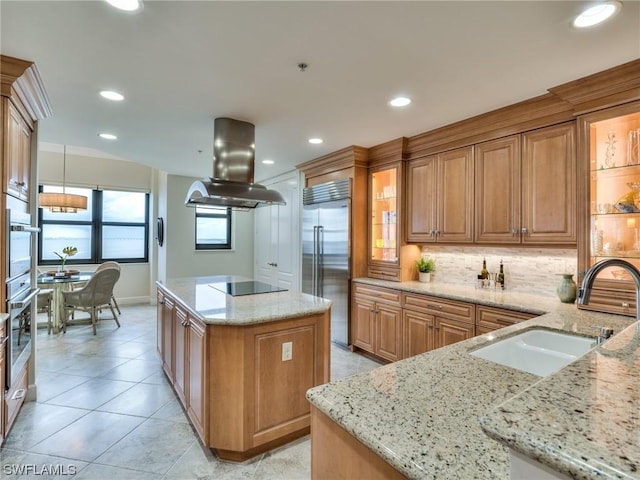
(484, 273)
(501, 276)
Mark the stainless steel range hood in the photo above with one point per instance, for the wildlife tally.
(233, 164)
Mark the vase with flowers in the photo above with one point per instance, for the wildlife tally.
(66, 253)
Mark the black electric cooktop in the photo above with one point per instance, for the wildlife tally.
(236, 289)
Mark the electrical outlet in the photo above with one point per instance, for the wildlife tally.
(287, 351)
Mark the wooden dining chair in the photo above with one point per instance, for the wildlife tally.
(96, 294)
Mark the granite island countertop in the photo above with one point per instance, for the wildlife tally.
(215, 307)
(421, 415)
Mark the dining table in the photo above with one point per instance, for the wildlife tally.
(58, 283)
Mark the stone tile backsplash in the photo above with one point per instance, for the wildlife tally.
(530, 270)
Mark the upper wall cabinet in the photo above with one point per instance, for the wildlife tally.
(549, 184)
(498, 192)
(17, 151)
(440, 198)
(526, 188)
(24, 102)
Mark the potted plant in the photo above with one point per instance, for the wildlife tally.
(425, 266)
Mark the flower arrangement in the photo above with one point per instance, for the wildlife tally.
(426, 265)
(68, 252)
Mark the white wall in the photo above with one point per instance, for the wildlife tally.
(177, 257)
(184, 260)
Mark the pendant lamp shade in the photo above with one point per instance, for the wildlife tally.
(62, 202)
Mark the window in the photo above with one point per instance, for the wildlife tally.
(115, 226)
(213, 228)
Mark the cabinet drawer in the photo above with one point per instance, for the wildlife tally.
(462, 311)
(618, 302)
(494, 318)
(392, 274)
(14, 398)
(377, 294)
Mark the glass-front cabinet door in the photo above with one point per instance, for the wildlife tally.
(384, 215)
(612, 144)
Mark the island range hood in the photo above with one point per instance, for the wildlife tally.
(233, 164)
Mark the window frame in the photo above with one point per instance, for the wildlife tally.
(213, 213)
(96, 225)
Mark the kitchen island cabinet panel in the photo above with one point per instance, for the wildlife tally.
(243, 382)
(195, 379)
(180, 351)
(337, 455)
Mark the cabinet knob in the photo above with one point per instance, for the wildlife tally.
(437, 232)
(524, 230)
(514, 232)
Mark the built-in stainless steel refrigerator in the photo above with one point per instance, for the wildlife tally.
(325, 250)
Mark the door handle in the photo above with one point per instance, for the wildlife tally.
(273, 264)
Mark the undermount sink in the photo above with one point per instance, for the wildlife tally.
(538, 351)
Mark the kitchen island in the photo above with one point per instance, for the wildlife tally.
(420, 417)
(241, 365)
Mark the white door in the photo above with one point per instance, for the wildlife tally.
(277, 237)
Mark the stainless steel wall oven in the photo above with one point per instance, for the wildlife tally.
(20, 293)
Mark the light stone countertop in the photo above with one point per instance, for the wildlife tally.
(422, 415)
(215, 307)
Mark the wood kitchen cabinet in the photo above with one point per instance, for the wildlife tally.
(377, 321)
(240, 393)
(526, 188)
(433, 322)
(549, 183)
(181, 347)
(17, 145)
(390, 258)
(610, 196)
(440, 197)
(165, 308)
(3, 334)
(489, 319)
(180, 352)
(498, 192)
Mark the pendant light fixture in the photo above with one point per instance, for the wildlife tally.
(62, 202)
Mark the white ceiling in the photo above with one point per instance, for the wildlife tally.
(180, 64)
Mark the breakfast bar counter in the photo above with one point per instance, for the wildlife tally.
(421, 416)
(241, 364)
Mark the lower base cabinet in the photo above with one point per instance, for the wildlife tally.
(377, 322)
(392, 325)
(2, 374)
(242, 397)
(489, 319)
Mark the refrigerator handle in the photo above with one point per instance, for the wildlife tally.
(320, 261)
(314, 262)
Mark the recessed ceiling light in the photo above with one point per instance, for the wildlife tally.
(315, 141)
(268, 162)
(111, 95)
(400, 102)
(596, 14)
(108, 136)
(126, 5)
